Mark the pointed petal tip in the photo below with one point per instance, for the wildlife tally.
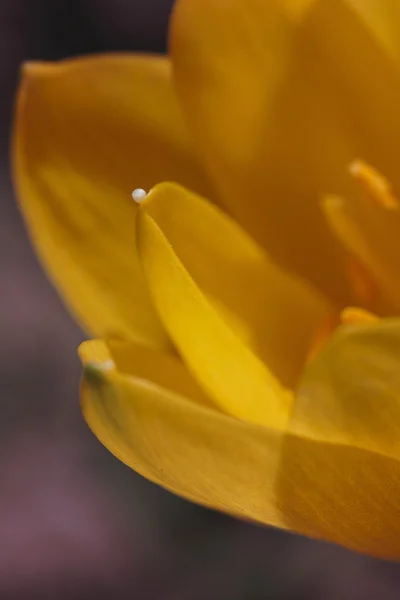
(159, 189)
(35, 68)
(143, 197)
(354, 315)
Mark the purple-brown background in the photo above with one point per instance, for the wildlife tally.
(74, 522)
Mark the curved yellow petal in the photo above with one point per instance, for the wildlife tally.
(382, 17)
(319, 488)
(350, 393)
(279, 104)
(366, 70)
(145, 364)
(227, 307)
(175, 441)
(344, 450)
(88, 131)
(341, 493)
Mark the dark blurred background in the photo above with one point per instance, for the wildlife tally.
(74, 522)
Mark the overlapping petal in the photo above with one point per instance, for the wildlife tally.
(350, 393)
(281, 95)
(243, 326)
(176, 441)
(382, 17)
(344, 452)
(87, 132)
(309, 480)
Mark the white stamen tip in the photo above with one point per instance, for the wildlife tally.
(139, 195)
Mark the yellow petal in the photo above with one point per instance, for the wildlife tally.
(87, 132)
(350, 393)
(177, 442)
(146, 364)
(225, 305)
(341, 493)
(344, 450)
(353, 315)
(321, 489)
(382, 17)
(279, 103)
(366, 71)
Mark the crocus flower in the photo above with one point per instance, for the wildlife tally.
(246, 314)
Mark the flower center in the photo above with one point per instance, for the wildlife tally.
(368, 227)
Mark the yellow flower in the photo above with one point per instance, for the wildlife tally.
(217, 373)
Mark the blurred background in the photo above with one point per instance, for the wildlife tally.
(74, 522)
